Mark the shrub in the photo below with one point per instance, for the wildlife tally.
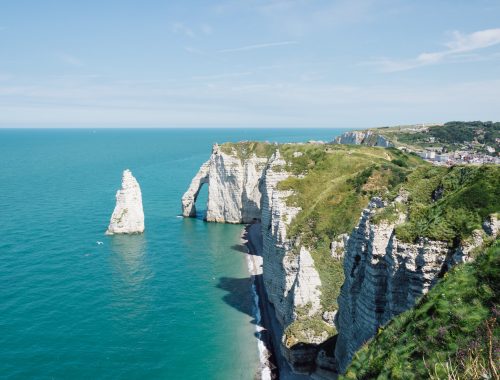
(470, 194)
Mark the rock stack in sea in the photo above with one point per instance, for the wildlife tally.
(128, 215)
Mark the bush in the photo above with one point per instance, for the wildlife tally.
(470, 194)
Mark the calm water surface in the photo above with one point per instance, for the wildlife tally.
(174, 303)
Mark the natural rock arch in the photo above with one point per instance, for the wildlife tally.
(233, 187)
(190, 196)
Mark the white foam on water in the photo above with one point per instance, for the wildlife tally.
(263, 352)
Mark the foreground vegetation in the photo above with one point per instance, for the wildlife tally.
(452, 333)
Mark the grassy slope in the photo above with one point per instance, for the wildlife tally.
(246, 149)
(470, 194)
(336, 183)
(451, 135)
(452, 330)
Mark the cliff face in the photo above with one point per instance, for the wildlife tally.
(309, 198)
(456, 319)
(385, 276)
(128, 215)
(240, 191)
(190, 196)
(291, 280)
(362, 138)
(289, 276)
(279, 268)
(233, 188)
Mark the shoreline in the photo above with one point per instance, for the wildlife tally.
(268, 331)
(268, 369)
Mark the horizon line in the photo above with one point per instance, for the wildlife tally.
(236, 127)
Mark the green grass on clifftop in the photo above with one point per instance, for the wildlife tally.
(468, 195)
(246, 149)
(452, 333)
(333, 184)
(451, 135)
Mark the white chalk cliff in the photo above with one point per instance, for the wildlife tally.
(233, 188)
(242, 191)
(362, 138)
(385, 277)
(290, 278)
(189, 197)
(128, 215)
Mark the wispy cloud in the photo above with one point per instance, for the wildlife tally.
(299, 18)
(206, 29)
(83, 99)
(70, 59)
(180, 28)
(223, 76)
(258, 46)
(191, 32)
(459, 48)
(192, 50)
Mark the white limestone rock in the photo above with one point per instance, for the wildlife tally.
(337, 246)
(329, 317)
(242, 190)
(233, 188)
(385, 277)
(189, 197)
(369, 138)
(306, 290)
(291, 280)
(128, 215)
(492, 225)
(464, 252)
(280, 263)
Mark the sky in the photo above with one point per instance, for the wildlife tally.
(248, 63)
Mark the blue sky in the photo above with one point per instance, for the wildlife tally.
(263, 63)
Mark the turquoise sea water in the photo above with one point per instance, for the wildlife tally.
(174, 303)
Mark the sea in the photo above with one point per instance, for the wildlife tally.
(173, 303)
